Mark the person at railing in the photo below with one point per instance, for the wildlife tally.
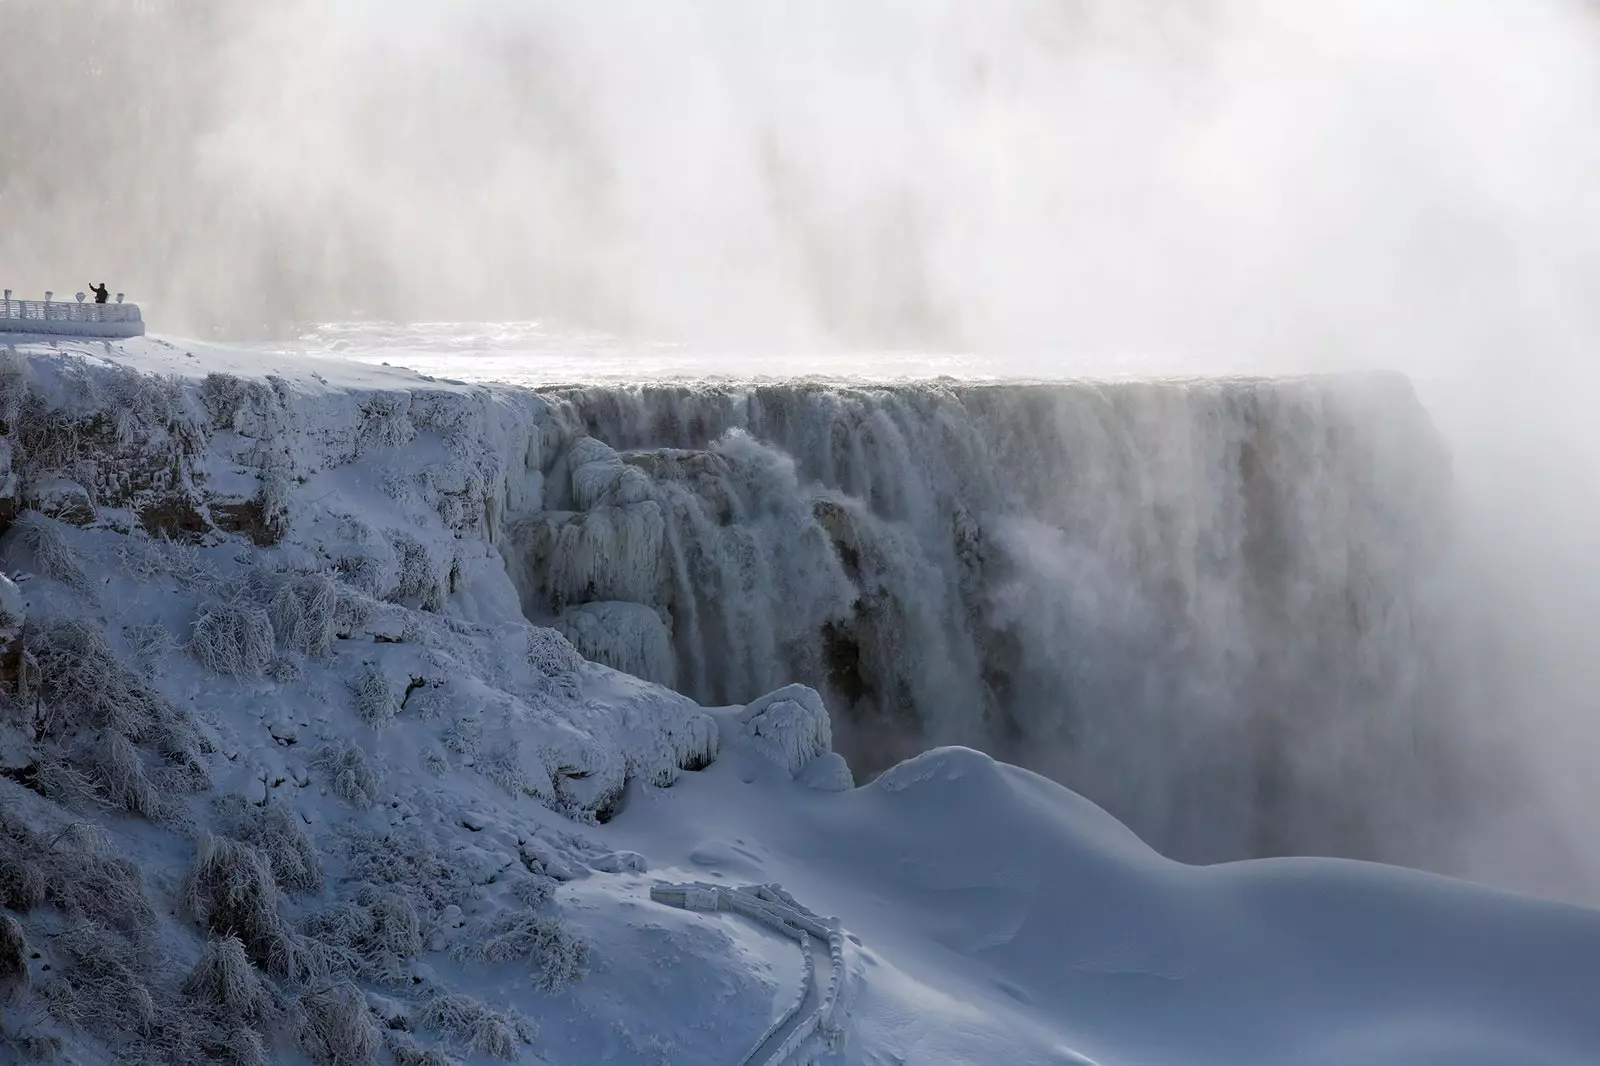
(101, 293)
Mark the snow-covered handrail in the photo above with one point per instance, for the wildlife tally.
(73, 318)
(773, 907)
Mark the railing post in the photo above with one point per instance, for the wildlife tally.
(7, 305)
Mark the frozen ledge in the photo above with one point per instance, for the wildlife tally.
(773, 907)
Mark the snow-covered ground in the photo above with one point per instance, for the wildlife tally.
(273, 657)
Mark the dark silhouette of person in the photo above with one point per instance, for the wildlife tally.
(101, 293)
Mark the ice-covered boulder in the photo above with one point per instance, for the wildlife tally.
(601, 479)
(629, 637)
(611, 553)
(789, 727)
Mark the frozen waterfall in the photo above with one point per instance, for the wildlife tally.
(1211, 606)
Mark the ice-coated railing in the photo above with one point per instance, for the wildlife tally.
(777, 909)
(70, 318)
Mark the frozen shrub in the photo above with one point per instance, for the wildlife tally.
(408, 1052)
(476, 1027)
(106, 975)
(223, 395)
(409, 864)
(368, 574)
(372, 938)
(229, 890)
(238, 1046)
(52, 555)
(337, 1029)
(83, 686)
(279, 835)
(349, 774)
(73, 870)
(559, 956)
(375, 702)
(353, 611)
(225, 982)
(69, 786)
(233, 638)
(504, 768)
(151, 643)
(463, 736)
(551, 654)
(386, 420)
(304, 614)
(435, 762)
(418, 579)
(117, 771)
(285, 671)
(14, 978)
(533, 891)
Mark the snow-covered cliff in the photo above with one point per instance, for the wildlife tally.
(302, 759)
(1208, 605)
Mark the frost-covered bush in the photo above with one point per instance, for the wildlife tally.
(151, 643)
(53, 556)
(73, 870)
(337, 1029)
(106, 977)
(385, 420)
(418, 578)
(533, 891)
(410, 864)
(551, 654)
(304, 612)
(14, 979)
(279, 835)
(559, 955)
(223, 395)
(372, 937)
(406, 1050)
(83, 686)
(229, 890)
(117, 770)
(224, 981)
(147, 557)
(374, 699)
(477, 1028)
(234, 638)
(368, 573)
(349, 774)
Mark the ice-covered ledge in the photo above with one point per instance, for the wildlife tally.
(69, 318)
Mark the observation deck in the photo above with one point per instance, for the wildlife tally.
(69, 318)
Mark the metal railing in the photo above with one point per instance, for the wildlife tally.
(78, 316)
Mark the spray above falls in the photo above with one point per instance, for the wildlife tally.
(1210, 606)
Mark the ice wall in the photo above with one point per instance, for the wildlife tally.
(1212, 606)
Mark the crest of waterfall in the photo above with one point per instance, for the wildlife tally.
(1214, 607)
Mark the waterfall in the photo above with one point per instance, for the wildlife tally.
(1214, 606)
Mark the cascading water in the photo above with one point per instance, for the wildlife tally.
(1207, 605)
